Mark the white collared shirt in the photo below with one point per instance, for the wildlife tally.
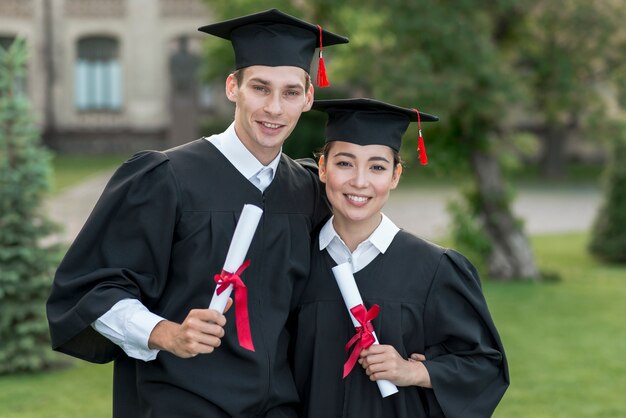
(129, 323)
(365, 252)
(233, 149)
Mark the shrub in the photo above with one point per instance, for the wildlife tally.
(467, 232)
(608, 237)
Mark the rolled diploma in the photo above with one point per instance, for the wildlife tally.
(244, 231)
(352, 297)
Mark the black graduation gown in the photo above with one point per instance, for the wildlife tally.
(159, 233)
(430, 302)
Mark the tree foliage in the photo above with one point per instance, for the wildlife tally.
(489, 69)
(26, 267)
(571, 49)
(450, 60)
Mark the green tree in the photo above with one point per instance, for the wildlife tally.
(459, 64)
(26, 267)
(608, 239)
(572, 48)
(454, 59)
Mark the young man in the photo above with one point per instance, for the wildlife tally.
(135, 285)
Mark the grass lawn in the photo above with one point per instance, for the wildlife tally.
(72, 169)
(83, 391)
(565, 343)
(577, 175)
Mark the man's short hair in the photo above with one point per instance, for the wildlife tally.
(239, 77)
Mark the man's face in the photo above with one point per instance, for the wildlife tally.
(269, 103)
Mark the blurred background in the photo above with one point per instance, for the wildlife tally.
(526, 173)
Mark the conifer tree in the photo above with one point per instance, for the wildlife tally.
(26, 267)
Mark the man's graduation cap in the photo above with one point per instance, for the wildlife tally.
(371, 122)
(274, 38)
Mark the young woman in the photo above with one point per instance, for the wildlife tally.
(438, 343)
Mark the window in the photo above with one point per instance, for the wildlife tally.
(98, 75)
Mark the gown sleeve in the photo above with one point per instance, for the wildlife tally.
(464, 355)
(122, 252)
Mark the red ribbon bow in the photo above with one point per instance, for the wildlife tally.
(225, 279)
(363, 337)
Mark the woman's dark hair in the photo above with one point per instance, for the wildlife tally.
(327, 146)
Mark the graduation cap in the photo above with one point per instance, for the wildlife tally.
(274, 38)
(371, 122)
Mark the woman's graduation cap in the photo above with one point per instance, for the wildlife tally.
(371, 122)
(274, 38)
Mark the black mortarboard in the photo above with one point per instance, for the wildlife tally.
(371, 122)
(274, 38)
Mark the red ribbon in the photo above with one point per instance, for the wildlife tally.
(363, 337)
(225, 279)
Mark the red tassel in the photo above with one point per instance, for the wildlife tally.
(322, 79)
(420, 141)
(422, 150)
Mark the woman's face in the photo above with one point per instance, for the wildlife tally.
(358, 180)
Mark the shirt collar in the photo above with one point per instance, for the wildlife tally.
(229, 144)
(381, 238)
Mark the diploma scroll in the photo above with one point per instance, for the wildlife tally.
(244, 231)
(352, 297)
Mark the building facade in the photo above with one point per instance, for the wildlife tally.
(111, 75)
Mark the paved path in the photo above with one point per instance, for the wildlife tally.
(549, 210)
(420, 211)
(72, 207)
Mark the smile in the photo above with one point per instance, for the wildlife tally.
(357, 199)
(271, 125)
